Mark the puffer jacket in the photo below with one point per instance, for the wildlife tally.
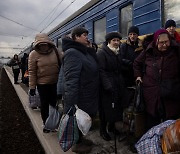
(81, 77)
(43, 66)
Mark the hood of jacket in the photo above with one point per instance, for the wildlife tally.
(138, 46)
(42, 38)
(153, 49)
(68, 43)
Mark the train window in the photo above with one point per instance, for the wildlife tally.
(171, 11)
(100, 30)
(59, 43)
(126, 19)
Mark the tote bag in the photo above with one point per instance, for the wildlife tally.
(68, 133)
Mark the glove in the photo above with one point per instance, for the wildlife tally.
(32, 92)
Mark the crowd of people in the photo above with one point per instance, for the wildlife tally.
(102, 79)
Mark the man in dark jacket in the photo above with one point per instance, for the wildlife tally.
(81, 78)
(129, 51)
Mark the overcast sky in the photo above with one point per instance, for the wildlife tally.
(21, 20)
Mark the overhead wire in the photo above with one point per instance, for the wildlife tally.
(19, 23)
(51, 13)
(58, 15)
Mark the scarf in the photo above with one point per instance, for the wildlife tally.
(114, 50)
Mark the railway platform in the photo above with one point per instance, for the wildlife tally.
(49, 141)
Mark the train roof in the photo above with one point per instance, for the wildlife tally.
(78, 12)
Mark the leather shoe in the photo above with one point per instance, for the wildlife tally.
(105, 135)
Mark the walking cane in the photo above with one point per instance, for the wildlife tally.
(115, 146)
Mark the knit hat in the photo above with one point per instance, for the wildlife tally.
(78, 31)
(133, 29)
(112, 35)
(159, 32)
(170, 23)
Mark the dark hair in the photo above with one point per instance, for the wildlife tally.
(95, 46)
(78, 31)
(147, 40)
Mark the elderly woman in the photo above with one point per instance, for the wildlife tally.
(81, 79)
(112, 84)
(161, 63)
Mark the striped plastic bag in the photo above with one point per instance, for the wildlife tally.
(68, 133)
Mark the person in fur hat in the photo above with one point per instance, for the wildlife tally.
(43, 67)
(111, 85)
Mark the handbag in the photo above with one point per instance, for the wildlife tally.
(170, 89)
(68, 133)
(34, 101)
(139, 105)
(52, 122)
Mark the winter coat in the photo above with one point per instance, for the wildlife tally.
(129, 53)
(15, 65)
(81, 77)
(168, 65)
(43, 66)
(60, 83)
(112, 84)
(177, 37)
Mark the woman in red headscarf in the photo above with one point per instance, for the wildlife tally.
(158, 68)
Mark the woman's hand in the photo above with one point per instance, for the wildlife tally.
(138, 79)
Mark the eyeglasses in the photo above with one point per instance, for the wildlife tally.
(164, 42)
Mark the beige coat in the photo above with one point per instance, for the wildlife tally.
(43, 67)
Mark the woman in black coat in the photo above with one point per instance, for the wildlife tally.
(81, 78)
(112, 84)
(15, 63)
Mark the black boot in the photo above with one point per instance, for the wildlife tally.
(105, 135)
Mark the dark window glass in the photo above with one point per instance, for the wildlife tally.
(100, 30)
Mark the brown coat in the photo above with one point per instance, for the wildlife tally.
(168, 67)
(43, 67)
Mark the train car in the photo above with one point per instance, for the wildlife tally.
(103, 16)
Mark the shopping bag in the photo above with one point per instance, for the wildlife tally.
(138, 98)
(34, 101)
(52, 122)
(84, 121)
(68, 133)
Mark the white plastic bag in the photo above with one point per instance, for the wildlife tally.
(84, 121)
(52, 122)
(34, 101)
